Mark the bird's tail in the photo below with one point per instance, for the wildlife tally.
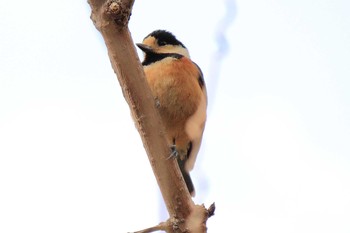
(186, 177)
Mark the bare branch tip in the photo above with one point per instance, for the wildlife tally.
(119, 11)
(211, 210)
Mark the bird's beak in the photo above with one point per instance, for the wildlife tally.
(145, 48)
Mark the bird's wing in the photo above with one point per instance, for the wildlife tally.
(195, 125)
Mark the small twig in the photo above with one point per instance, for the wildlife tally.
(160, 227)
(211, 210)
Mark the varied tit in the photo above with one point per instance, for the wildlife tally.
(178, 88)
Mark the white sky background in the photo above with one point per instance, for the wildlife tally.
(276, 154)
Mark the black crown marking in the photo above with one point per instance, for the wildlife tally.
(164, 37)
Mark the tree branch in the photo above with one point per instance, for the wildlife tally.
(111, 18)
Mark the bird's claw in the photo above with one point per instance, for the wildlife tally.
(174, 153)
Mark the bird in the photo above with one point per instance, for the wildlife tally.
(179, 91)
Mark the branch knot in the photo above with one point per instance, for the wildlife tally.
(119, 12)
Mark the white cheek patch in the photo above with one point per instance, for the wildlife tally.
(174, 49)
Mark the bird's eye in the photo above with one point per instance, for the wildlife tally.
(161, 43)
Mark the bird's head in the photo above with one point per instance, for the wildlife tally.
(161, 41)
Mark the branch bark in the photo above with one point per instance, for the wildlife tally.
(111, 18)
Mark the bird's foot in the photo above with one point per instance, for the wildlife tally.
(174, 153)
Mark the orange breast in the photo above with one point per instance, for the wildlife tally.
(174, 83)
